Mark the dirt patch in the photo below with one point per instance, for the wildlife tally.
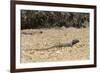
(34, 40)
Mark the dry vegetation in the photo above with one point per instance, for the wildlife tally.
(33, 41)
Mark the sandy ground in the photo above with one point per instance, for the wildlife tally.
(33, 41)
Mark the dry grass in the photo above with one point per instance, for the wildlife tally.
(50, 37)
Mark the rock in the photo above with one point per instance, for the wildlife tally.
(41, 32)
(63, 27)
